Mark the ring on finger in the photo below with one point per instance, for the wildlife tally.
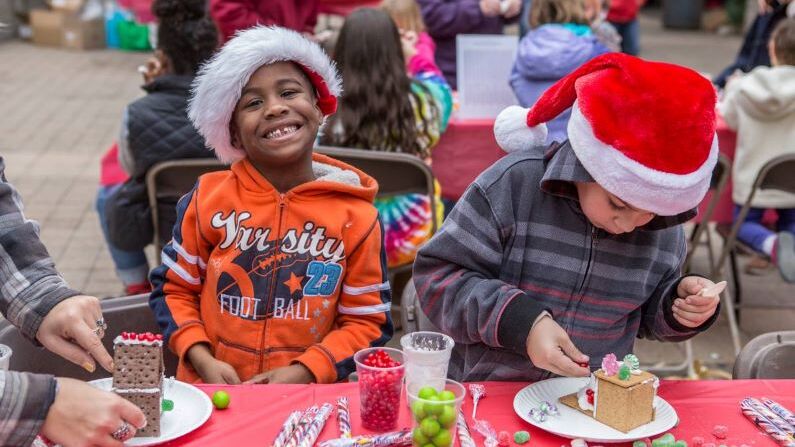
(98, 331)
(123, 433)
(101, 323)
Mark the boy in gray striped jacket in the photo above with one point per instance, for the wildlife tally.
(557, 256)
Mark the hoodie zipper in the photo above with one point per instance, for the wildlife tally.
(274, 278)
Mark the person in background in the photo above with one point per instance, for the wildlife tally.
(446, 19)
(559, 41)
(385, 109)
(408, 18)
(760, 106)
(232, 16)
(596, 12)
(154, 128)
(623, 14)
(37, 300)
(754, 52)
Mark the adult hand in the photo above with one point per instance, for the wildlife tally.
(511, 9)
(490, 8)
(550, 348)
(691, 309)
(84, 415)
(210, 369)
(70, 330)
(296, 373)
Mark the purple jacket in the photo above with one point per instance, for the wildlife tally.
(447, 18)
(545, 55)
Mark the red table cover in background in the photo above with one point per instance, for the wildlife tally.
(344, 7)
(256, 412)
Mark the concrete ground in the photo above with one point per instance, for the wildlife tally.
(60, 111)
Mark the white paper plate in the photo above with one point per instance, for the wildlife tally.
(192, 408)
(573, 424)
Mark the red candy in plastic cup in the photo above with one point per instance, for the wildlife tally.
(380, 387)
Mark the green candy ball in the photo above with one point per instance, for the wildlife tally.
(624, 373)
(433, 406)
(167, 405)
(668, 437)
(680, 443)
(418, 409)
(419, 437)
(447, 417)
(426, 392)
(429, 445)
(659, 443)
(447, 396)
(430, 427)
(443, 439)
(521, 437)
(220, 399)
(639, 444)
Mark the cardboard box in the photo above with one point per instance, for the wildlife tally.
(81, 34)
(66, 30)
(47, 27)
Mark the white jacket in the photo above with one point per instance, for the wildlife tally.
(760, 106)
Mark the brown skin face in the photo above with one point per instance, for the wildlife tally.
(606, 211)
(275, 122)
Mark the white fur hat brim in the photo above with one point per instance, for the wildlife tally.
(220, 81)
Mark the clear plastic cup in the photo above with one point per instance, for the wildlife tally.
(434, 412)
(427, 357)
(380, 388)
(5, 357)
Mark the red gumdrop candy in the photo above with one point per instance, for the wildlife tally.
(697, 441)
(159, 337)
(583, 364)
(720, 431)
(504, 439)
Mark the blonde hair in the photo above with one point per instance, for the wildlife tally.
(405, 13)
(543, 12)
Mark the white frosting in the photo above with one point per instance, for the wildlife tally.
(582, 396)
(129, 342)
(136, 390)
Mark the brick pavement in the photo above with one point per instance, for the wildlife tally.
(60, 110)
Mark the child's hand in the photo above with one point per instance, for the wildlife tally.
(691, 309)
(550, 348)
(408, 43)
(296, 373)
(510, 8)
(490, 8)
(210, 369)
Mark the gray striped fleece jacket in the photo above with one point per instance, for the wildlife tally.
(29, 287)
(517, 243)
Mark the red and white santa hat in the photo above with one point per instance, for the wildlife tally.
(220, 80)
(645, 131)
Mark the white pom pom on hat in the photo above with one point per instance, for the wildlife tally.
(512, 132)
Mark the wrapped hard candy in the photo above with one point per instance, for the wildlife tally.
(578, 443)
(537, 415)
(549, 408)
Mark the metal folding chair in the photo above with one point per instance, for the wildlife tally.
(767, 356)
(775, 174)
(127, 313)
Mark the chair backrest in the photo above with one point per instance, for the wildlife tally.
(411, 314)
(717, 183)
(396, 173)
(768, 356)
(166, 182)
(129, 313)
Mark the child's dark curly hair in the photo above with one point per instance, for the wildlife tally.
(186, 34)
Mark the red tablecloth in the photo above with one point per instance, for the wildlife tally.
(257, 412)
(465, 150)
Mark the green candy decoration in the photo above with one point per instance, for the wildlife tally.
(418, 408)
(521, 437)
(632, 361)
(447, 396)
(680, 443)
(639, 444)
(447, 417)
(426, 392)
(433, 406)
(167, 405)
(668, 438)
(429, 427)
(624, 373)
(443, 439)
(419, 437)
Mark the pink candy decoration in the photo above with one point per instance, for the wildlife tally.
(720, 431)
(698, 441)
(610, 365)
(504, 439)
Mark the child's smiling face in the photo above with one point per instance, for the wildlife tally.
(606, 211)
(276, 119)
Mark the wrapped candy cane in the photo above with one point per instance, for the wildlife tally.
(316, 426)
(396, 438)
(463, 432)
(780, 410)
(483, 427)
(343, 417)
(302, 427)
(751, 412)
(768, 414)
(287, 429)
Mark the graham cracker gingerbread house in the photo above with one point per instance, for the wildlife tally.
(138, 376)
(619, 395)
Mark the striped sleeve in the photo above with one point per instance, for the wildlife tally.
(25, 400)
(363, 312)
(177, 282)
(29, 284)
(457, 279)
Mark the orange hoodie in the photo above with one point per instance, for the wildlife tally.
(270, 279)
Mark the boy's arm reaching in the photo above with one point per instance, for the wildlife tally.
(456, 274)
(363, 311)
(177, 282)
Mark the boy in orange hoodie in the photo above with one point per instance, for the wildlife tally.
(276, 271)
